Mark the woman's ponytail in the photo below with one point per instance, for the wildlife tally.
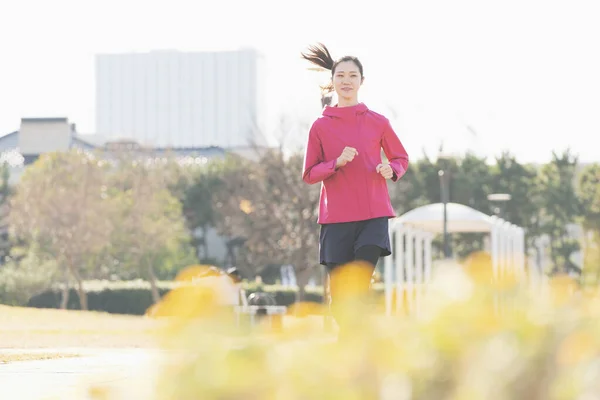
(319, 55)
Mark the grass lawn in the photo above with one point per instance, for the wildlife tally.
(38, 334)
(32, 328)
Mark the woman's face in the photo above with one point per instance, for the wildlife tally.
(347, 80)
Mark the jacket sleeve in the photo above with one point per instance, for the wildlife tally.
(394, 151)
(316, 168)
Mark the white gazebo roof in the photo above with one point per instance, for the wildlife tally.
(460, 218)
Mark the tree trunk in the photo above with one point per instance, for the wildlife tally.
(301, 294)
(153, 286)
(64, 293)
(83, 300)
(64, 297)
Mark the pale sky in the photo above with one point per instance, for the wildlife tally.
(524, 74)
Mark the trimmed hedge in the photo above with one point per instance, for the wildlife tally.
(115, 301)
(134, 297)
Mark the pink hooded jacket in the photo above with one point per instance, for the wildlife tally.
(354, 192)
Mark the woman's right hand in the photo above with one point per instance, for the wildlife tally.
(347, 155)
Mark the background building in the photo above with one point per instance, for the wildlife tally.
(179, 99)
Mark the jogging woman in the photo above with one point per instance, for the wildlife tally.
(343, 153)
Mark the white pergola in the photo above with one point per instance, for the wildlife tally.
(409, 267)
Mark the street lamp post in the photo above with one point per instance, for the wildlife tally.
(444, 174)
(445, 194)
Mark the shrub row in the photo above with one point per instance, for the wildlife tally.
(134, 297)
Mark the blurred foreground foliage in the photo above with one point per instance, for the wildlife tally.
(473, 337)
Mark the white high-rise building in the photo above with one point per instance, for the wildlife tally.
(180, 99)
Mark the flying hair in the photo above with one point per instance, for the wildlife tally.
(319, 55)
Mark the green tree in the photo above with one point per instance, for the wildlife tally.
(61, 202)
(589, 194)
(469, 185)
(559, 206)
(268, 205)
(150, 238)
(428, 175)
(519, 180)
(198, 204)
(471, 181)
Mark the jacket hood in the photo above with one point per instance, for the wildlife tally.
(344, 112)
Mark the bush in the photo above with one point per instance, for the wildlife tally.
(133, 301)
(133, 297)
(19, 281)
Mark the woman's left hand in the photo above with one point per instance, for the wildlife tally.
(385, 170)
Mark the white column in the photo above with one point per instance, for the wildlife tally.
(508, 265)
(521, 249)
(409, 267)
(539, 264)
(505, 264)
(495, 246)
(509, 268)
(428, 239)
(418, 269)
(515, 251)
(501, 248)
(419, 237)
(399, 268)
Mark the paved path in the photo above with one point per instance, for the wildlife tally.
(127, 373)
